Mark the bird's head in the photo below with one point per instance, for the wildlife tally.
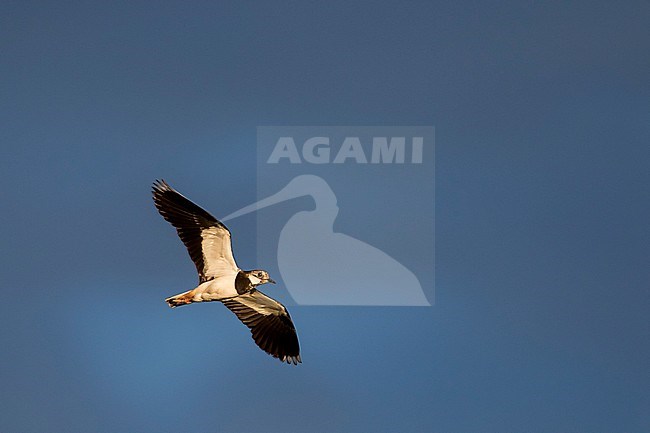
(258, 277)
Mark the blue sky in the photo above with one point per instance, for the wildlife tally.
(542, 127)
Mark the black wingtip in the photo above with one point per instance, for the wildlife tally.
(290, 359)
(159, 185)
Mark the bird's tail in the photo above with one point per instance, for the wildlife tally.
(180, 299)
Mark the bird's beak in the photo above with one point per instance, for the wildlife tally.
(271, 281)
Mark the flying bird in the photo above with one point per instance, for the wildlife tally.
(208, 242)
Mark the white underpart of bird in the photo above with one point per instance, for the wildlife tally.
(209, 245)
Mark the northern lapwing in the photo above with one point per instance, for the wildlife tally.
(209, 244)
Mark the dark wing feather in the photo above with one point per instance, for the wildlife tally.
(207, 239)
(270, 325)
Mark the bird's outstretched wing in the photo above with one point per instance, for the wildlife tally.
(207, 239)
(270, 325)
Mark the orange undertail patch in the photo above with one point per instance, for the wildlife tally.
(182, 299)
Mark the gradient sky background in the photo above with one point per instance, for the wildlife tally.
(542, 240)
